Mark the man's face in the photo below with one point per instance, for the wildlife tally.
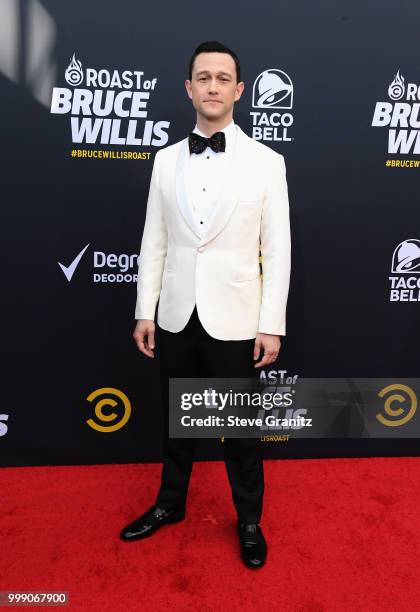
(213, 88)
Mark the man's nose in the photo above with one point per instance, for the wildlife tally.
(213, 86)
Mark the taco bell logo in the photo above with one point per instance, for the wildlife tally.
(405, 262)
(74, 73)
(272, 91)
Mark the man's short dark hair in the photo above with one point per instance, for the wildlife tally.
(211, 46)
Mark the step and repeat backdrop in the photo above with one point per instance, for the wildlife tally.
(89, 93)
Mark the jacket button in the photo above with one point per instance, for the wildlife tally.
(200, 249)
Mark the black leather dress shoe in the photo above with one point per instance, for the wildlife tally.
(149, 522)
(253, 545)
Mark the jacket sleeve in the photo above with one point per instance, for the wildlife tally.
(152, 251)
(275, 252)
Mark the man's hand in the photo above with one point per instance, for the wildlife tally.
(271, 346)
(144, 336)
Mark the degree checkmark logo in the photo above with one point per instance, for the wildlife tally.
(70, 269)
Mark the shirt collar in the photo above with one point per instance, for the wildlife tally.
(229, 130)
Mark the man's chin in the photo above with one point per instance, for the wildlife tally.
(213, 113)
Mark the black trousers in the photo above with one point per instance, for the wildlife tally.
(193, 353)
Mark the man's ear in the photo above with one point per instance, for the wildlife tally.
(188, 88)
(239, 89)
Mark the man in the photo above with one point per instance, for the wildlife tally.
(216, 199)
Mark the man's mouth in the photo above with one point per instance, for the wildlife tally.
(217, 101)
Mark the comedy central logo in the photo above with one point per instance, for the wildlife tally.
(397, 88)
(405, 285)
(401, 116)
(74, 72)
(406, 401)
(272, 91)
(112, 107)
(105, 401)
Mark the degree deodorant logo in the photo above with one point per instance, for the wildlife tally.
(105, 267)
(109, 106)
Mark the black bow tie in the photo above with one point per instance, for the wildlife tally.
(198, 143)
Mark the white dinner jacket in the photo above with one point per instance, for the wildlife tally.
(219, 272)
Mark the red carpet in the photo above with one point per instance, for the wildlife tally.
(343, 535)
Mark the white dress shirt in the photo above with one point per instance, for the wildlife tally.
(204, 175)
